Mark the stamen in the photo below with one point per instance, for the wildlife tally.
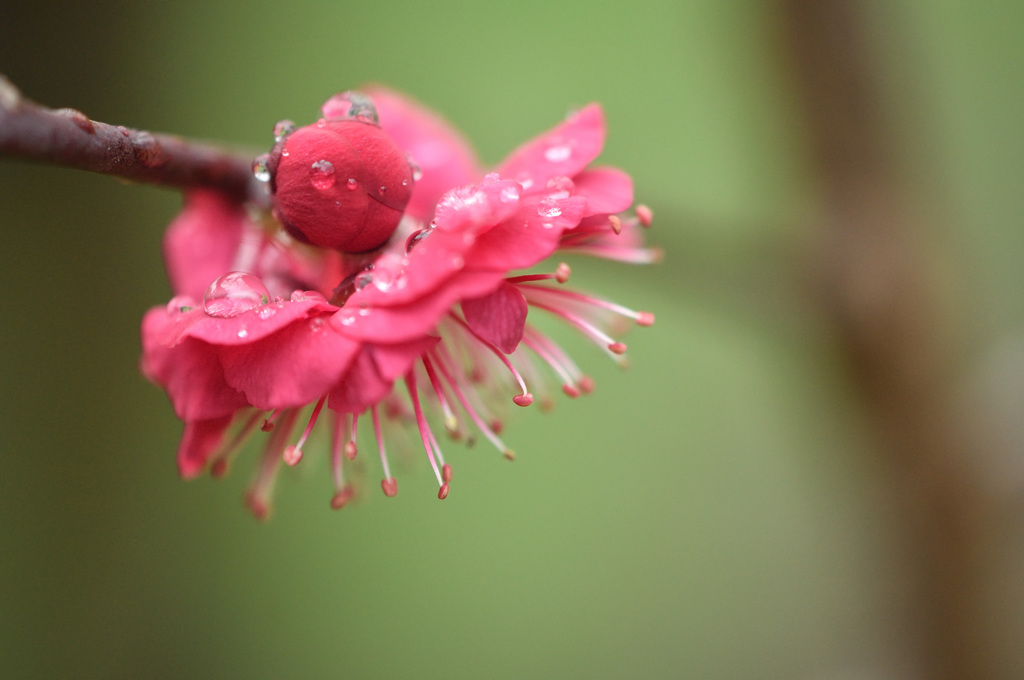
(350, 445)
(524, 399)
(257, 498)
(342, 491)
(268, 424)
(451, 422)
(616, 224)
(389, 484)
(644, 214)
(221, 459)
(601, 338)
(618, 254)
(561, 365)
(561, 274)
(293, 454)
(641, 318)
(470, 411)
(421, 422)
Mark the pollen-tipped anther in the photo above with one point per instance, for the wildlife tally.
(616, 224)
(617, 348)
(644, 319)
(586, 384)
(446, 472)
(570, 391)
(350, 450)
(443, 491)
(341, 498)
(509, 454)
(390, 486)
(292, 455)
(644, 214)
(562, 272)
(523, 399)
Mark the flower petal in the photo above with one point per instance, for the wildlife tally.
(445, 159)
(293, 367)
(202, 241)
(499, 317)
(198, 442)
(529, 237)
(190, 372)
(563, 151)
(607, 190)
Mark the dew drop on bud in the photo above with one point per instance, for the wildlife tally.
(350, 105)
(352, 184)
(321, 174)
(282, 129)
(417, 171)
(415, 239)
(233, 294)
(261, 168)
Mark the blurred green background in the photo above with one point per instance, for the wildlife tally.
(713, 512)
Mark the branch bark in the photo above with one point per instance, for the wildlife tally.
(68, 138)
(877, 287)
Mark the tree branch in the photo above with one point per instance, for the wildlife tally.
(68, 138)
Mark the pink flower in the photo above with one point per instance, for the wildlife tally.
(385, 286)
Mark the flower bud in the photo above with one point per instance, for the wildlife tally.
(341, 184)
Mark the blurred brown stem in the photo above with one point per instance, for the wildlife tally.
(892, 329)
(69, 138)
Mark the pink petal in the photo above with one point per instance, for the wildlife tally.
(360, 387)
(201, 242)
(498, 318)
(199, 440)
(190, 372)
(401, 323)
(562, 151)
(394, 361)
(607, 190)
(257, 323)
(529, 237)
(293, 367)
(444, 157)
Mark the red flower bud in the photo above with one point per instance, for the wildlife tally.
(341, 184)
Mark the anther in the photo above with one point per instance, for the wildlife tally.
(644, 319)
(616, 224)
(443, 492)
(350, 450)
(644, 214)
(523, 399)
(292, 455)
(509, 454)
(341, 498)
(562, 272)
(617, 347)
(446, 472)
(390, 486)
(586, 384)
(570, 390)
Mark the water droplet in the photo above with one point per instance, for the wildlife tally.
(382, 190)
(363, 280)
(415, 239)
(509, 194)
(261, 168)
(561, 187)
(417, 171)
(321, 174)
(266, 311)
(491, 178)
(558, 153)
(549, 208)
(322, 123)
(458, 262)
(388, 272)
(316, 323)
(148, 151)
(405, 182)
(284, 153)
(242, 332)
(282, 129)
(233, 294)
(347, 317)
(179, 304)
(351, 105)
(352, 184)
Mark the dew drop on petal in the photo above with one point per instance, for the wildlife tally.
(352, 184)
(363, 280)
(509, 194)
(282, 129)
(321, 174)
(558, 153)
(266, 311)
(549, 207)
(382, 190)
(233, 294)
(415, 239)
(179, 304)
(261, 168)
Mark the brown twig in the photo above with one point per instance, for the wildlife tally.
(891, 325)
(69, 138)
